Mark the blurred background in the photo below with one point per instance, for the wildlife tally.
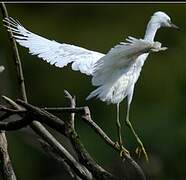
(158, 109)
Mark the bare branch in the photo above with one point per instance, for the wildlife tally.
(127, 159)
(70, 123)
(60, 160)
(43, 116)
(87, 118)
(51, 120)
(60, 150)
(11, 111)
(8, 112)
(16, 58)
(6, 169)
(16, 124)
(79, 110)
(84, 157)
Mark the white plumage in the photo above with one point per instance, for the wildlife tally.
(115, 73)
(112, 72)
(53, 52)
(119, 69)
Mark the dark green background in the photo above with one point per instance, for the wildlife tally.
(158, 107)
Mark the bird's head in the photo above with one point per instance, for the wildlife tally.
(163, 20)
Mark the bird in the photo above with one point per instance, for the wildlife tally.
(114, 74)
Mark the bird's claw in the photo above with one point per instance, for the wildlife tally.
(139, 151)
(122, 150)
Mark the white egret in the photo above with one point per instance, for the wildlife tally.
(115, 73)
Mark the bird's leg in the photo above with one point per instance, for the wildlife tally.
(141, 148)
(120, 142)
(119, 127)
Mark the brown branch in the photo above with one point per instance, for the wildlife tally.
(81, 151)
(84, 157)
(127, 159)
(87, 118)
(79, 110)
(70, 123)
(16, 124)
(8, 112)
(12, 111)
(44, 116)
(60, 160)
(79, 169)
(6, 170)
(49, 119)
(17, 61)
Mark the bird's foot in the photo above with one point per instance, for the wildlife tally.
(122, 150)
(141, 150)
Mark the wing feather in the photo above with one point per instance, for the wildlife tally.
(116, 72)
(122, 56)
(53, 52)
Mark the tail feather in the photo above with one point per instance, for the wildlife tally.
(104, 93)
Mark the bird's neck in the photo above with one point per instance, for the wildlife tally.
(151, 30)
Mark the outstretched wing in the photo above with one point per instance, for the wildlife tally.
(122, 56)
(117, 71)
(53, 52)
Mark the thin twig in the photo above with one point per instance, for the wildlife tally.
(70, 123)
(16, 58)
(87, 118)
(79, 110)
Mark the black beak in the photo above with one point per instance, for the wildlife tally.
(174, 26)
